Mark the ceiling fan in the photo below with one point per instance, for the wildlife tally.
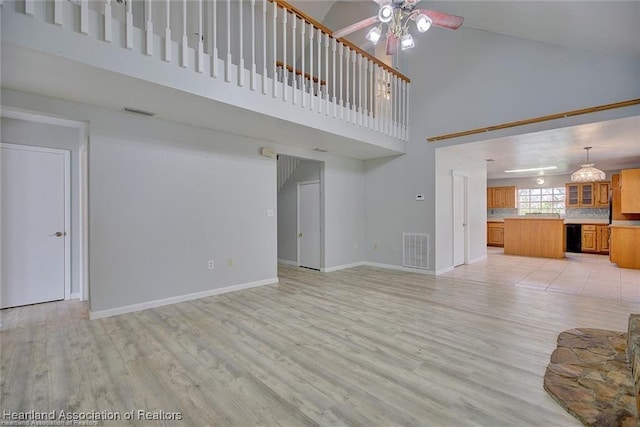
(396, 15)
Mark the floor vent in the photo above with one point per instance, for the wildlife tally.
(415, 250)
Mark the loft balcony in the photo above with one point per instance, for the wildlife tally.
(256, 68)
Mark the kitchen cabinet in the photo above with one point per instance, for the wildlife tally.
(601, 199)
(501, 197)
(630, 191)
(537, 237)
(616, 213)
(623, 246)
(587, 194)
(495, 234)
(589, 238)
(603, 233)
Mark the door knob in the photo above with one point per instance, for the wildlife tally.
(59, 233)
(300, 234)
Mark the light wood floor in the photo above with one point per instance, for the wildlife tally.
(363, 346)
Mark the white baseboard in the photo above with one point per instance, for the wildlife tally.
(342, 267)
(180, 298)
(400, 268)
(287, 262)
(74, 295)
(444, 270)
(480, 258)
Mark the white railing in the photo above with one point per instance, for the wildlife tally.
(284, 53)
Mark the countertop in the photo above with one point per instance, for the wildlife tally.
(570, 220)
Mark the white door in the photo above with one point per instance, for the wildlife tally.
(459, 220)
(35, 225)
(309, 224)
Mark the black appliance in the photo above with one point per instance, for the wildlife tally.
(574, 237)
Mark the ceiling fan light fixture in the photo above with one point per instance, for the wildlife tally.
(423, 23)
(374, 35)
(385, 14)
(406, 42)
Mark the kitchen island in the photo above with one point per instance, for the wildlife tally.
(535, 237)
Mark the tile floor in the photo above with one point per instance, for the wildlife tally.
(579, 274)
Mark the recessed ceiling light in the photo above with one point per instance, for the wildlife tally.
(544, 168)
(139, 111)
(322, 150)
(489, 160)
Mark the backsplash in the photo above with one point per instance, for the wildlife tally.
(501, 213)
(587, 213)
(571, 213)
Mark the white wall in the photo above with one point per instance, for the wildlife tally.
(166, 198)
(288, 209)
(466, 79)
(23, 132)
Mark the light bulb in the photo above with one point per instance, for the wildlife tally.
(374, 35)
(423, 23)
(406, 42)
(385, 14)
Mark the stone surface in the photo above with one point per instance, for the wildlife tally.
(590, 375)
(633, 345)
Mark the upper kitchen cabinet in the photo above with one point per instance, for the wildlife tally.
(587, 194)
(630, 191)
(501, 197)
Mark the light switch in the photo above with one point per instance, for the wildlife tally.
(420, 197)
(270, 212)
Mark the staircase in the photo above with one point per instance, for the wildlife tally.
(286, 166)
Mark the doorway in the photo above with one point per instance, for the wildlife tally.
(36, 225)
(459, 219)
(300, 212)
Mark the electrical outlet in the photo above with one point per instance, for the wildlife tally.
(375, 247)
(355, 245)
(210, 264)
(395, 248)
(230, 262)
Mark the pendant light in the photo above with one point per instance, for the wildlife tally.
(587, 173)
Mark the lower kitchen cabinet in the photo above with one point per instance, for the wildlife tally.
(495, 234)
(589, 238)
(623, 246)
(604, 233)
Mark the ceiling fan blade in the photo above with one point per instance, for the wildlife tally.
(392, 44)
(442, 20)
(355, 27)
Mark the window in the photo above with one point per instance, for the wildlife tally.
(541, 200)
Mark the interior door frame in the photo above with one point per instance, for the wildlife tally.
(319, 182)
(465, 197)
(67, 204)
(83, 182)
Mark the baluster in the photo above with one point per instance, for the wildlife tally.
(303, 94)
(294, 81)
(341, 59)
(285, 71)
(365, 116)
(57, 12)
(227, 67)
(264, 47)
(241, 46)
(360, 106)
(167, 32)
(326, 73)
(400, 107)
(311, 83)
(184, 58)
(148, 29)
(379, 97)
(252, 84)
(333, 78)
(200, 44)
(215, 72)
(396, 99)
(389, 104)
(348, 80)
(84, 16)
(29, 7)
(275, 38)
(129, 26)
(372, 91)
(354, 58)
(319, 41)
(108, 29)
(407, 91)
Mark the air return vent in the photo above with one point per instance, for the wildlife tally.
(415, 250)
